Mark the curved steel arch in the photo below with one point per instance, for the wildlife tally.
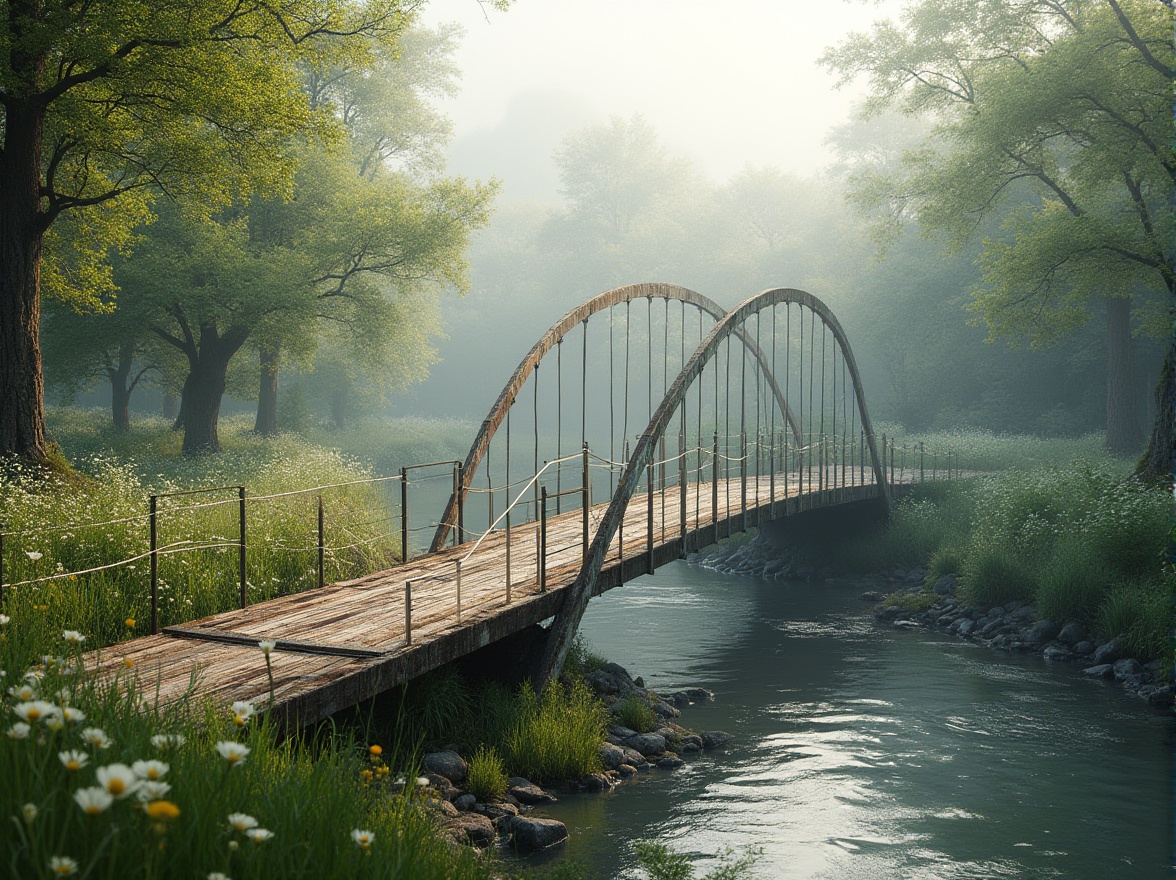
(551, 338)
(567, 619)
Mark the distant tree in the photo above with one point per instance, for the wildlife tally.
(1061, 110)
(103, 103)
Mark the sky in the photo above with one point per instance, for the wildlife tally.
(727, 83)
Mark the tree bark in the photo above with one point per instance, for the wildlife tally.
(200, 403)
(121, 388)
(339, 405)
(267, 394)
(22, 391)
(1159, 461)
(1123, 433)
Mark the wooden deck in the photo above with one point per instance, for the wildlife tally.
(347, 641)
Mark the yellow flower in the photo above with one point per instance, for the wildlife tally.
(130, 622)
(375, 750)
(162, 811)
(365, 775)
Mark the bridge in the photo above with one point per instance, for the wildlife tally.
(679, 423)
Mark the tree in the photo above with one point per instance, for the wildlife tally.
(1057, 113)
(102, 104)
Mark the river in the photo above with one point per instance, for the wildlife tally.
(866, 752)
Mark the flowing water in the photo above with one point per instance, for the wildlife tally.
(866, 752)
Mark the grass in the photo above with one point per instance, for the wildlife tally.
(635, 713)
(486, 777)
(558, 737)
(305, 800)
(908, 601)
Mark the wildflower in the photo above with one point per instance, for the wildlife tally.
(73, 636)
(33, 711)
(382, 770)
(363, 839)
(73, 760)
(233, 846)
(365, 775)
(242, 711)
(241, 821)
(118, 779)
(33, 676)
(165, 741)
(19, 730)
(152, 791)
(130, 622)
(72, 715)
(233, 752)
(62, 866)
(162, 811)
(375, 750)
(259, 835)
(96, 737)
(93, 800)
(217, 875)
(29, 812)
(422, 781)
(22, 691)
(266, 646)
(4, 618)
(34, 556)
(150, 770)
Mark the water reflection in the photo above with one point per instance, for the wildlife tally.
(871, 753)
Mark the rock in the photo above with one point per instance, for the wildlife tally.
(1161, 696)
(445, 808)
(626, 771)
(1072, 633)
(611, 679)
(1023, 615)
(664, 709)
(1126, 668)
(1103, 670)
(611, 756)
(1108, 652)
(634, 757)
(670, 762)
(527, 792)
(906, 624)
(1014, 605)
(465, 802)
(1084, 648)
(449, 764)
(996, 612)
(690, 742)
(1041, 632)
(945, 586)
(871, 596)
(686, 696)
(531, 835)
(595, 782)
(442, 785)
(1057, 652)
(713, 739)
(620, 732)
(494, 812)
(472, 828)
(965, 627)
(647, 744)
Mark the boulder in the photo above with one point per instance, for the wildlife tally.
(634, 757)
(531, 835)
(1057, 652)
(445, 808)
(472, 828)
(1102, 670)
(595, 782)
(620, 732)
(611, 756)
(465, 802)
(670, 762)
(626, 770)
(1161, 696)
(527, 792)
(712, 739)
(647, 744)
(1108, 652)
(449, 764)
(964, 627)
(495, 812)
(1041, 632)
(611, 678)
(1084, 648)
(946, 585)
(1126, 668)
(1072, 633)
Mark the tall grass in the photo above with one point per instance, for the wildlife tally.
(558, 737)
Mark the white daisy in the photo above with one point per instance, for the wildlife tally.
(93, 800)
(241, 821)
(363, 839)
(73, 760)
(259, 835)
(233, 752)
(118, 779)
(152, 771)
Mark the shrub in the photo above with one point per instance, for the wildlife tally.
(635, 713)
(992, 576)
(557, 738)
(486, 778)
(1072, 586)
(947, 559)
(1140, 615)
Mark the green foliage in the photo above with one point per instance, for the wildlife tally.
(557, 738)
(581, 659)
(993, 576)
(310, 797)
(435, 708)
(1140, 615)
(908, 601)
(944, 560)
(486, 778)
(635, 713)
(1072, 585)
(662, 863)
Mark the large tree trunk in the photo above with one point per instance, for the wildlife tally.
(1123, 434)
(22, 403)
(200, 404)
(121, 388)
(1159, 461)
(339, 401)
(267, 394)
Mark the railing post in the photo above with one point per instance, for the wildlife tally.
(892, 463)
(772, 474)
(682, 488)
(241, 551)
(885, 461)
(542, 533)
(649, 527)
(459, 493)
(621, 530)
(404, 514)
(585, 487)
(153, 518)
(321, 542)
(922, 453)
(408, 612)
(715, 486)
(508, 548)
(785, 462)
(458, 563)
